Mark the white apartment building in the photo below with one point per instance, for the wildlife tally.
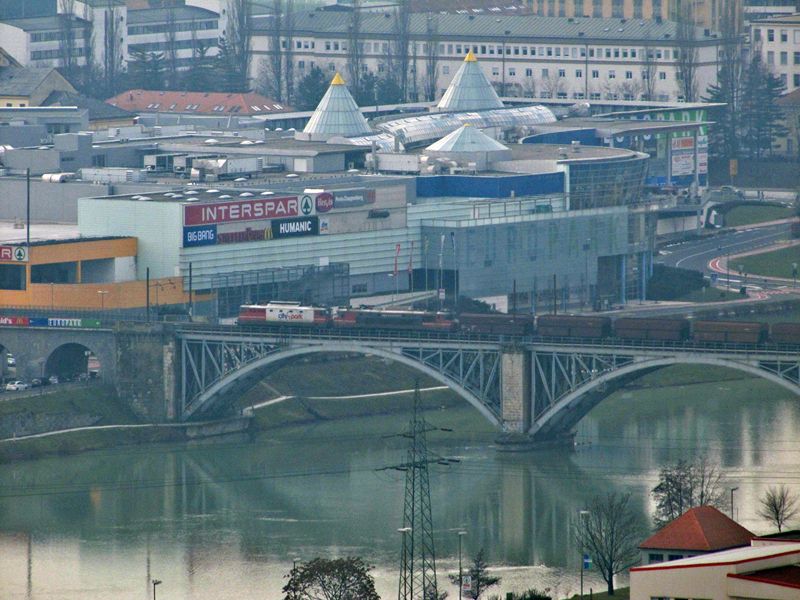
(36, 41)
(778, 41)
(194, 27)
(531, 56)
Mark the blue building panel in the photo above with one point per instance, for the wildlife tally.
(565, 138)
(472, 186)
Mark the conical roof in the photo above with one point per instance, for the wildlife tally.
(336, 114)
(466, 139)
(469, 90)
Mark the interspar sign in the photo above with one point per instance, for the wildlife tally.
(257, 209)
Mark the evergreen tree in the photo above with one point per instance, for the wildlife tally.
(146, 70)
(226, 75)
(364, 94)
(389, 91)
(761, 116)
(479, 572)
(311, 89)
(200, 76)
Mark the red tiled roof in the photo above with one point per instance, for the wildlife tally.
(197, 103)
(700, 529)
(788, 576)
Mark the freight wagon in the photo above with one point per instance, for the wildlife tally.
(730, 331)
(672, 330)
(573, 326)
(497, 324)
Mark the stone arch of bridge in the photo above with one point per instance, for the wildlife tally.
(572, 407)
(69, 359)
(215, 391)
(6, 349)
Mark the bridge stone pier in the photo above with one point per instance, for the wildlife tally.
(532, 389)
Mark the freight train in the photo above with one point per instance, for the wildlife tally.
(545, 326)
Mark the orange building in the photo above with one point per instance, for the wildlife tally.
(80, 273)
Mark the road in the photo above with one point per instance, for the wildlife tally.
(697, 254)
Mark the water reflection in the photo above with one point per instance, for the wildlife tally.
(225, 521)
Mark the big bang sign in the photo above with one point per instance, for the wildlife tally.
(257, 209)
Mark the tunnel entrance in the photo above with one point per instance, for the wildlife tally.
(72, 362)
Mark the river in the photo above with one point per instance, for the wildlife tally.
(225, 521)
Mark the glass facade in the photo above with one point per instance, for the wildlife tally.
(605, 183)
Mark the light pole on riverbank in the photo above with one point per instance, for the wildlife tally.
(461, 534)
(582, 515)
(155, 583)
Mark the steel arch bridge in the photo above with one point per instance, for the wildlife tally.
(539, 387)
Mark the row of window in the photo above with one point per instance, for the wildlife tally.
(760, 34)
(180, 26)
(56, 53)
(162, 46)
(55, 36)
(783, 58)
(562, 73)
(500, 50)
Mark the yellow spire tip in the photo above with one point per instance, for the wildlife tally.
(470, 57)
(337, 80)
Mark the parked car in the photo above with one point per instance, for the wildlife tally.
(53, 379)
(36, 382)
(11, 361)
(16, 386)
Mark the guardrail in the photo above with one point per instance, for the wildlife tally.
(376, 335)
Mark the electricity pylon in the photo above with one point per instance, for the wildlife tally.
(418, 556)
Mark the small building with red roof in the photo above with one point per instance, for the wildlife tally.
(699, 530)
(197, 103)
(770, 572)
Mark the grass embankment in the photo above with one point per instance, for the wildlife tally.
(339, 375)
(777, 263)
(95, 399)
(711, 294)
(750, 214)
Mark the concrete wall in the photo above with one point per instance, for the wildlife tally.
(50, 202)
(516, 390)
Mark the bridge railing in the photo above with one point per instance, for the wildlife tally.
(412, 337)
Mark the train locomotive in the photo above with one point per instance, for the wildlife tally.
(279, 314)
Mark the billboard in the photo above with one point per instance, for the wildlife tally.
(257, 209)
(303, 226)
(203, 235)
(13, 254)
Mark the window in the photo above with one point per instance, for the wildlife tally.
(562, 72)
(445, 70)
(327, 45)
(784, 58)
(595, 75)
(594, 96)
(675, 557)
(784, 36)
(770, 58)
(770, 35)
(512, 72)
(578, 73)
(662, 76)
(757, 35)
(495, 71)
(797, 58)
(528, 72)
(612, 74)
(796, 80)
(628, 74)
(298, 44)
(359, 288)
(796, 36)
(545, 72)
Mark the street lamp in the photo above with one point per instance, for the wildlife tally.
(155, 583)
(461, 534)
(733, 489)
(102, 294)
(295, 560)
(582, 515)
(404, 586)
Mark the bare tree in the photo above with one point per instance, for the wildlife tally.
(649, 72)
(431, 80)
(610, 533)
(112, 52)
(355, 48)
(778, 506)
(630, 89)
(687, 55)
(685, 485)
(171, 49)
(398, 59)
(337, 579)
(272, 68)
(288, 52)
(529, 87)
(237, 40)
(67, 34)
(552, 84)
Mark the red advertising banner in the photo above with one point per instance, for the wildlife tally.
(256, 209)
(14, 321)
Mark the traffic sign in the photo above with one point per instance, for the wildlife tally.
(587, 562)
(466, 583)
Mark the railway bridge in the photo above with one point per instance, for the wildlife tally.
(539, 388)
